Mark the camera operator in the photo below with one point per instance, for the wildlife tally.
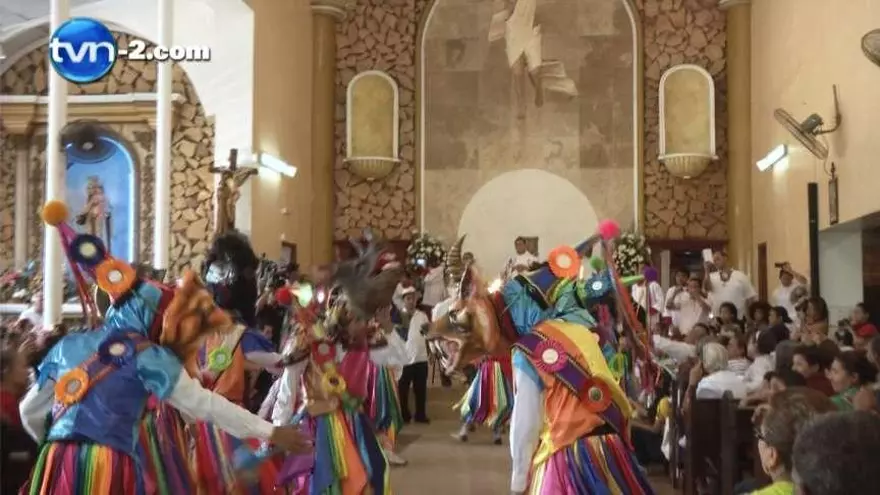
(789, 280)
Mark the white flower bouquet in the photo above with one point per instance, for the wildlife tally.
(630, 252)
(425, 251)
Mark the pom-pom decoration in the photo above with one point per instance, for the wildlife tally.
(114, 277)
(72, 386)
(333, 383)
(87, 250)
(564, 262)
(597, 263)
(219, 359)
(283, 296)
(608, 229)
(651, 274)
(54, 213)
(116, 350)
(597, 396)
(551, 356)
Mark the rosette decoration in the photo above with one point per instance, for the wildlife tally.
(117, 350)
(631, 251)
(424, 252)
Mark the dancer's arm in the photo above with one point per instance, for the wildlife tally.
(283, 410)
(526, 420)
(259, 351)
(392, 354)
(35, 408)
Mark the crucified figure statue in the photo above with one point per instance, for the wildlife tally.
(228, 191)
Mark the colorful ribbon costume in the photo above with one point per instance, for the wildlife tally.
(94, 385)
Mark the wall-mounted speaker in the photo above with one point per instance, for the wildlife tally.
(813, 226)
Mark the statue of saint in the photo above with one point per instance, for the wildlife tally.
(95, 215)
(229, 190)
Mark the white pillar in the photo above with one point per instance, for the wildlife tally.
(56, 173)
(162, 207)
(21, 202)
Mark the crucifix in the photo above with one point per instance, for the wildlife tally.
(228, 191)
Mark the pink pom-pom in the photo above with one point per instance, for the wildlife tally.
(608, 229)
(651, 274)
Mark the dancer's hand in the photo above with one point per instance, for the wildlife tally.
(291, 439)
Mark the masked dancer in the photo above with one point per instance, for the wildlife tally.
(93, 385)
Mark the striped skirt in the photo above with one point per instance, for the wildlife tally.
(348, 458)
(383, 402)
(164, 452)
(70, 468)
(594, 465)
(489, 399)
(215, 469)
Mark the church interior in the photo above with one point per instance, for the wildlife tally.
(743, 125)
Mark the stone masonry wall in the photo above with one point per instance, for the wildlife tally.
(192, 156)
(383, 35)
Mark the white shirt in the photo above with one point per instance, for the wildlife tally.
(672, 297)
(679, 351)
(739, 366)
(782, 297)
(416, 348)
(714, 385)
(736, 290)
(639, 294)
(31, 315)
(754, 376)
(690, 312)
(435, 289)
(526, 259)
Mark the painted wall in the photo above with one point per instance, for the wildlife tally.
(497, 214)
(799, 49)
(840, 269)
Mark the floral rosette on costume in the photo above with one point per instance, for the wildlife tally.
(423, 252)
(631, 252)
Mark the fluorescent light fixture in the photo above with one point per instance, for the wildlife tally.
(772, 158)
(248, 158)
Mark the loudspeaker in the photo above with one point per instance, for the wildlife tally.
(813, 215)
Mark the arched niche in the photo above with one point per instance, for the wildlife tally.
(372, 124)
(687, 120)
(102, 190)
(469, 133)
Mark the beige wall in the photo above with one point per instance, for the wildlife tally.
(282, 125)
(799, 49)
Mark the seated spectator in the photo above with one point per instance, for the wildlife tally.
(759, 317)
(850, 371)
(17, 449)
(784, 354)
(789, 411)
(807, 361)
(681, 351)
(712, 377)
(778, 315)
(763, 362)
(836, 454)
(783, 380)
(862, 328)
(816, 327)
(727, 315)
(737, 361)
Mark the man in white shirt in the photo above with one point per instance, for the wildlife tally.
(716, 377)
(727, 284)
(789, 280)
(33, 314)
(680, 286)
(641, 292)
(690, 305)
(521, 262)
(415, 372)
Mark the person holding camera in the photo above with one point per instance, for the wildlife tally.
(789, 280)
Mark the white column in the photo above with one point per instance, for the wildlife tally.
(21, 202)
(56, 172)
(162, 207)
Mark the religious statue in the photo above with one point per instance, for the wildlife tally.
(229, 190)
(95, 215)
(524, 54)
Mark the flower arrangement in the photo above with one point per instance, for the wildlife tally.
(631, 251)
(425, 251)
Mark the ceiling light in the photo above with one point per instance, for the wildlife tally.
(772, 158)
(248, 158)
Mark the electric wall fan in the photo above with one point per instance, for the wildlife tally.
(807, 131)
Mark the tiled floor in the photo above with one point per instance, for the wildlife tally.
(438, 464)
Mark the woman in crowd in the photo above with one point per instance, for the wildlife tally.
(809, 362)
(862, 328)
(712, 377)
(763, 363)
(789, 411)
(18, 450)
(737, 359)
(816, 324)
(759, 317)
(727, 316)
(850, 371)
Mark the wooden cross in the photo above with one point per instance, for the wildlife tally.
(231, 180)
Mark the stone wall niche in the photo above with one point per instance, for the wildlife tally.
(372, 122)
(687, 120)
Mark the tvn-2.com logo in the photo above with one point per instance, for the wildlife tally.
(83, 51)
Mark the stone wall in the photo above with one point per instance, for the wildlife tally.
(192, 156)
(382, 35)
(378, 35)
(684, 32)
(7, 199)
